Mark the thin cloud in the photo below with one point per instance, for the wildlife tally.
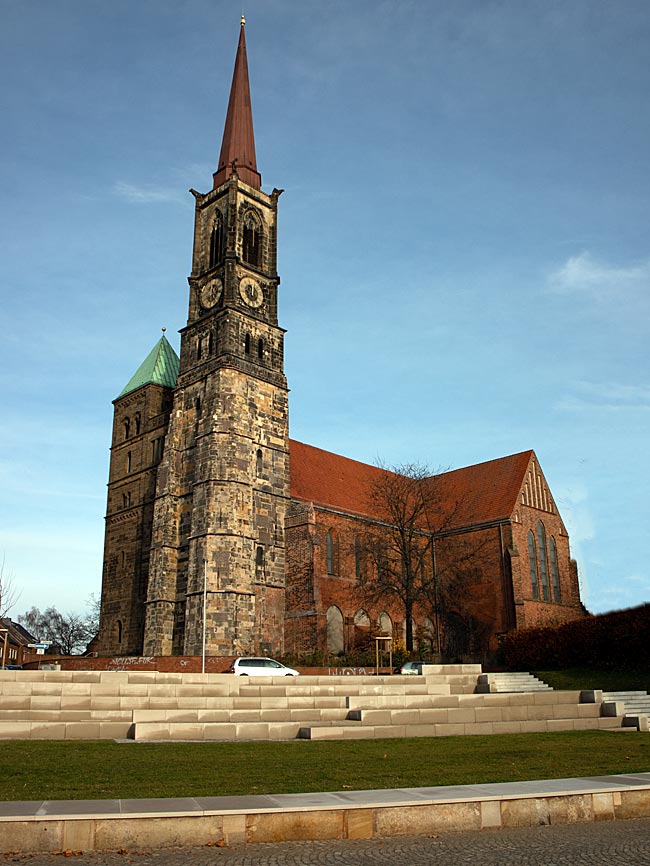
(144, 195)
(584, 274)
(605, 396)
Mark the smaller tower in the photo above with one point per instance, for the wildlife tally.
(140, 421)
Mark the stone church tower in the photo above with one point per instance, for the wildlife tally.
(216, 530)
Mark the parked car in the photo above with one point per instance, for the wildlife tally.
(13, 667)
(260, 667)
(411, 668)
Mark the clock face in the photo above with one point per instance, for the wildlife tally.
(211, 292)
(251, 292)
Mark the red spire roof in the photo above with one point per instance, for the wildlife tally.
(238, 139)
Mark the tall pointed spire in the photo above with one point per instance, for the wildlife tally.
(238, 145)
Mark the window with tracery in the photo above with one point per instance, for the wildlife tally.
(555, 575)
(217, 237)
(532, 559)
(543, 562)
(251, 241)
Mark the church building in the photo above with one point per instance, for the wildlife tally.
(221, 530)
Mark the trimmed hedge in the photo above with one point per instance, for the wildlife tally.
(620, 639)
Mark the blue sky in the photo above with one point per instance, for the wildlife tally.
(463, 246)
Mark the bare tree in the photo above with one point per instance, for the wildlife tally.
(413, 520)
(69, 632)
(397, 545)
(9, 594)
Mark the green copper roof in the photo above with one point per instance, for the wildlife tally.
(160, 367)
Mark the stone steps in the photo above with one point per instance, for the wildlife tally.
(511, 682)
(636, 706)
(156, 706)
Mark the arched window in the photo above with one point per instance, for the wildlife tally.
(426, 634)
(361, 628)
(543, 564)
(129, 461)
(260, 348)
(216, 240)
(258, 463)
(247, 344)
(330, 553)
(555, 575)
(335, 642)
(197, 405)
(137, 423)
(210, 343)
(251, 240)
(259, 556)
(127, 428)
(532, 559)
(385, 624)
(199, 348)
(357, 558)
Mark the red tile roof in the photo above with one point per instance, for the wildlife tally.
(475, 494)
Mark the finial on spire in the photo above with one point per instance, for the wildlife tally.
(163, 330)
(243, 19)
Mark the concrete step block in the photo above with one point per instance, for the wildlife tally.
(534, 726)
(431, 716)
(479, 728)
(48, 730)
(461, 716)
(45, 702)
(506, 727)
(75, 702)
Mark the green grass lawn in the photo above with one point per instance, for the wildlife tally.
(101, 770)
(586, 678)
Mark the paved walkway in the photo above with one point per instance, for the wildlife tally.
(615, 843)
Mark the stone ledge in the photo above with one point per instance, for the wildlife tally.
(108, 824)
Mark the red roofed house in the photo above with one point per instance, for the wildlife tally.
(222, 534)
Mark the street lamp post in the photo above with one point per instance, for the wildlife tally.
(205, 593)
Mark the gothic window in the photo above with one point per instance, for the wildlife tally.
(260, 348)
(137, 423)
(128, 461)
(332, 553)
(543, 564)
(251, 241)
(216, 241)
(258, 462)
(361, 628)
(127, 428)
(199, 348)
(426, 635)
(357, 558)
(335, 641)
(247, 344)
(555, 576)
(210, 343)
(197, 405)
(532, 559)
(385, 624)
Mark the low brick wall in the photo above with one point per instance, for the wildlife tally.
(178, 664)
